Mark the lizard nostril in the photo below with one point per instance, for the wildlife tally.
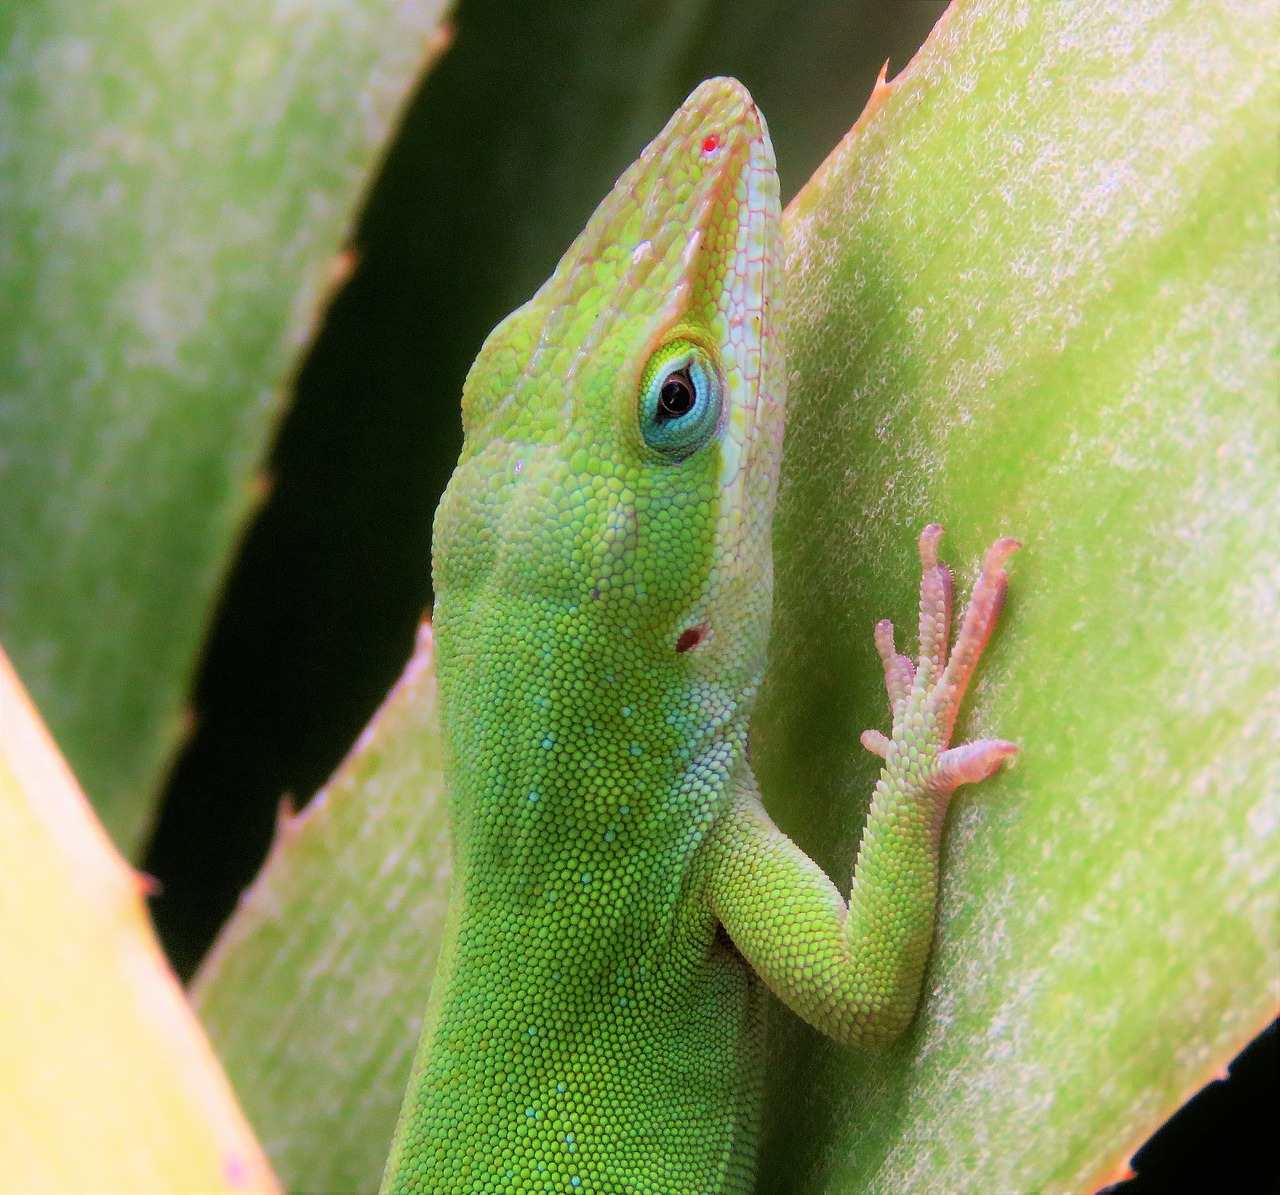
(691, 638)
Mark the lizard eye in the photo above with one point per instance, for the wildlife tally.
(679, 400)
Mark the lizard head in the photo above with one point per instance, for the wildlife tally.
(623, 429)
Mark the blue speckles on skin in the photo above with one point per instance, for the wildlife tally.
(553, 871)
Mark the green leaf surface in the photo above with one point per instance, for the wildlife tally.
(1031, 294)
(1034, 294)
(339, 934)
(175, 184)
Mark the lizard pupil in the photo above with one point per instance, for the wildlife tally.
(675, 400)
(679, 401)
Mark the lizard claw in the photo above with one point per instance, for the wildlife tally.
(899, 671)
(876, 743)
(969, 763)
(936, 685)
(975, 630)
(935, 604)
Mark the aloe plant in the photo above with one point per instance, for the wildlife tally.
(109, 1082)
(175, 186)
(1031, 294)
(998, 320)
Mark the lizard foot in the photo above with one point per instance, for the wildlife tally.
(925, 697)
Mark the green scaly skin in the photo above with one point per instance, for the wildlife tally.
(604, 581)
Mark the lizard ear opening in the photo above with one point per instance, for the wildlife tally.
(680, 400)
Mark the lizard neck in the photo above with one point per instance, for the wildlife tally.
(586, 756)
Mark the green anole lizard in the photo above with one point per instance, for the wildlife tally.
(603, 577)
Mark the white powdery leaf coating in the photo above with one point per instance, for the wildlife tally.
(1044, 261)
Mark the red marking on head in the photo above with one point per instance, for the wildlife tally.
(691, 638)
(711, 144)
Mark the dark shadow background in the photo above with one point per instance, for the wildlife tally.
(510, 142)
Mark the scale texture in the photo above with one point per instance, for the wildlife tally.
(604, 582)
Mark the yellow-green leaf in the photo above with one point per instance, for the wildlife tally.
(109, 1082)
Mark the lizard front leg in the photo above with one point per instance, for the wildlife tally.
(853, 969)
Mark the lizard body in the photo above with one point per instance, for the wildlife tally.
(604, 582)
